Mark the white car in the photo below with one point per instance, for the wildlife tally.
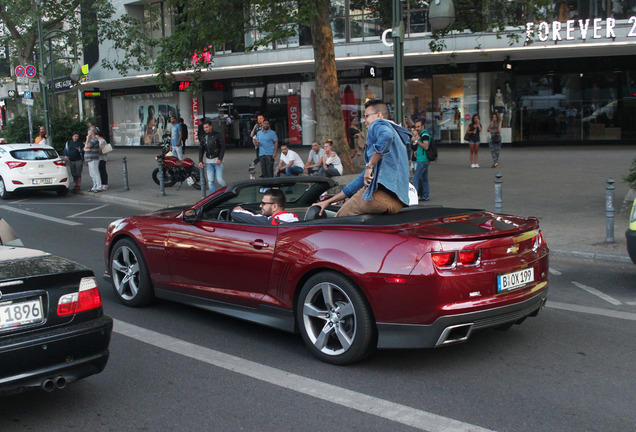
(31, 167)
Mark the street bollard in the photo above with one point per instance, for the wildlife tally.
(498, 193)
(162, 188)
(125, 169)
(202, 182)
(609, 211)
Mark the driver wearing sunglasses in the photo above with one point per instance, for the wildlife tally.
(272, 211)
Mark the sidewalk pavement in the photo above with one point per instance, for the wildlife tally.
(565, 187)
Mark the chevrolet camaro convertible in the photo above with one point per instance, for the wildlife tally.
(425, 277)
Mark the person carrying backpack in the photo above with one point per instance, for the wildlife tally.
(420, 178)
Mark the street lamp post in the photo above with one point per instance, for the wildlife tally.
(76, 72)
(441, 15)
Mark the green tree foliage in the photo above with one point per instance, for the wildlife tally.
(17, 129)
(631, 177)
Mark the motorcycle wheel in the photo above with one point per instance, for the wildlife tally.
(168, 181)
(196, 176)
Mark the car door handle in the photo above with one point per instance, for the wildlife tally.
(259, 244)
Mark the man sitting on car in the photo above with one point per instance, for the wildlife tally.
(272, 211)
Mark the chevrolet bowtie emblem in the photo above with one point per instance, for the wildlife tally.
(513, 249)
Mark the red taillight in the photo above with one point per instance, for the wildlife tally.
(443, 259)
(59, 163)
(537, 241)
(469, 257)
(12, 164)
(86, 298)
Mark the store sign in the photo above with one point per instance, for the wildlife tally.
(275, 100)
(92, 94)
(293, 119)
(195, 119)
(596, 28)
(63, 84)
(184, 85)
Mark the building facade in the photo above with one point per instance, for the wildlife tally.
(567, 79)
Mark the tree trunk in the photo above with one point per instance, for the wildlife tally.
(330, 123)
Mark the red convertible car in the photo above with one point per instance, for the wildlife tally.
(425, 277)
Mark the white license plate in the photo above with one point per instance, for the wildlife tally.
(43, 181)
(190, 181)
(510, 281)
(20, 313)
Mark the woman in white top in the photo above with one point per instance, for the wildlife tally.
(330, 162)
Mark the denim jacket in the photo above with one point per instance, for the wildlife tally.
(392, 170)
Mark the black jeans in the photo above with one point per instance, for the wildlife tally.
(267, 166)
(102, 172)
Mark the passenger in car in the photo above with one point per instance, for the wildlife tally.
(383, 186)
(272, 211)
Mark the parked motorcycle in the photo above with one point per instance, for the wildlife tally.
(175, 170)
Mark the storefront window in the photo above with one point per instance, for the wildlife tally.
(454, 103)
(142, 119)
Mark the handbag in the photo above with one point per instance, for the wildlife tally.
(107, 148)
(496, 138)
(466, 136)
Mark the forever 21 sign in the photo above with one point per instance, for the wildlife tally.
(592, 28)
(276, 100)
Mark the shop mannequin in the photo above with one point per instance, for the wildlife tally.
(499, 105)
(507, 93)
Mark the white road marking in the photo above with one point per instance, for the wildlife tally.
(631, 303)
(40, 216)
(101, 230)
(555, 272)
(592, 310)
(597, 293)
(347, 398)
(88, 211)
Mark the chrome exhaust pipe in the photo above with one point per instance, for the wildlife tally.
(48, 385)
(60, 382)
(454, 334)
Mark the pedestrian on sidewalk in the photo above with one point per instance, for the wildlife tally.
(267, 142)
(313, 160)
(420, 177)
(175, 138)
(213, 148)
(184, 134)
(91, 155)
(330, 161)
(290, 162)
(74, 156)
(258, 126)
(103, 174)
(495, 139)
(474, 129)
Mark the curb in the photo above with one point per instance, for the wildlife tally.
(590, 256)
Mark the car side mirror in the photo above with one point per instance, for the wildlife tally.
(190, 216)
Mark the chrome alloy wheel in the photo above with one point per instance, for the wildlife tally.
(125, 272)
(329, 318)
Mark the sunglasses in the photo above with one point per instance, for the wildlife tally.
(266, 203)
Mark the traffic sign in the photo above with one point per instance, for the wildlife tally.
(34, 86)
(11, 93)
(27, 101)
(30, 71)
(22, 80)
(27, 94)
(20, 71)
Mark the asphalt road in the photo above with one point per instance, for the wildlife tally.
(173, 367)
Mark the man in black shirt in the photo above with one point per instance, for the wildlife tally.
(74, 157)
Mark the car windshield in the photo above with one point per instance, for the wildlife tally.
(254, 194)
(34, 154)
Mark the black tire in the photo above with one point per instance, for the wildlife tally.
(168, 181)
(196, 176)
(340, 331)
(62, 192)
(129, 272)
(3, 191)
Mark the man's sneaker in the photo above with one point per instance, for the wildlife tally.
(105, 187)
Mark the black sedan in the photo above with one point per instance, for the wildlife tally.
(53, 330)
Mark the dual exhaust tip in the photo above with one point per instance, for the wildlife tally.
(51, 384)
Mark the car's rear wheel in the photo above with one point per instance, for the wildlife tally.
(131, 279)
(3, 190)
(335, 319)
(62, 192)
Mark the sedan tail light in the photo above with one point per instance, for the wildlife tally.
(86, 298)
(450, 259)
(59, 163)
(13, 164)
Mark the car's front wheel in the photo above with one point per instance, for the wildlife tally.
(3, 190)
(335, 319)
(128, 269)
